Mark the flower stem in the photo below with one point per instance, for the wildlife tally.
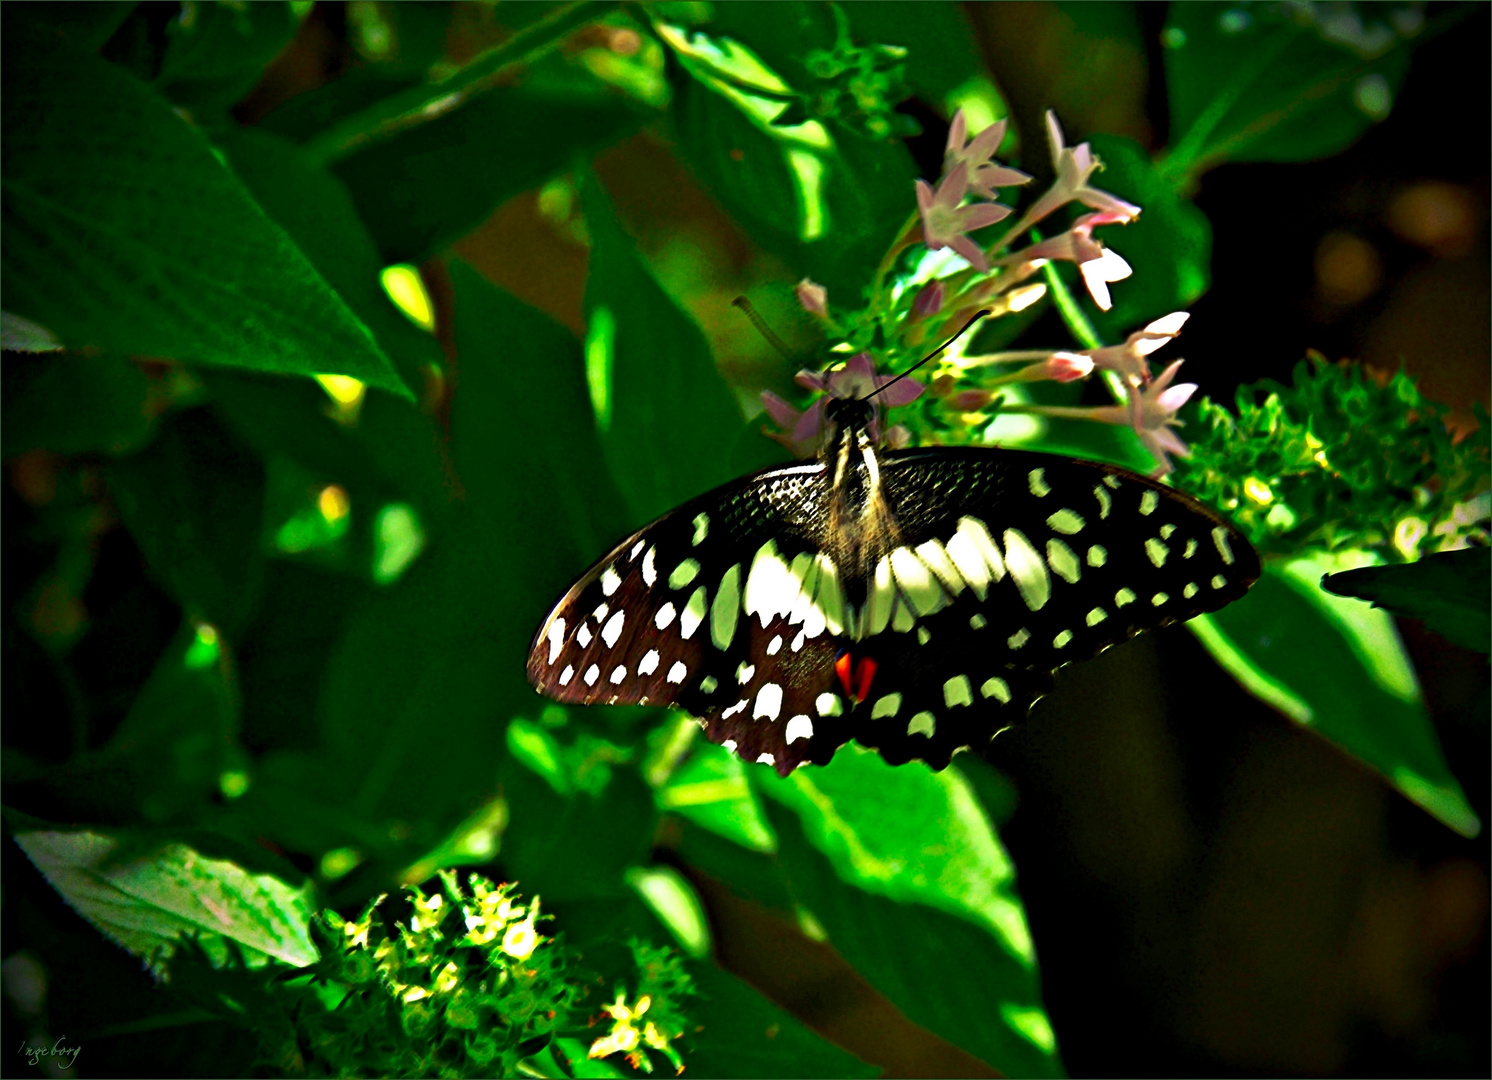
(904, 238)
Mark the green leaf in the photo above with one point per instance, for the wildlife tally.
(317, 213)
(86, 24)
(901, 854)
(215, 53)
(823, 199)
(942, 50)
(74, 405)
(744, 1034)
(1448, 590)
(1170, 246)
(147, 897)
(710, 789)
(667, 418)
(194, 503)
(415, 692)
(1264, 84)
(125, 233)
(436, 182)
(1337, 667)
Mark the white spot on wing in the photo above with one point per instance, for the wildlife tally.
(886, 706)
(1096, 616)
(701, 528)
(924, 635)
(649, 569)
(665, 616)
(1190, 590)
(996, 688)
(592, 673)
(1160, 598)
(694, 613)
(924, 723)
(744, 673)
(1218, 581)
(1157, 552)
(726, 610)
(567, 674)
(1037, 479)
(1028, 569)
(583, 635)
(635, 549)
(1063, 638)
(977, 622)
(677, 672)
(1148, 502)
(619, 673)
(827, 704)
(730, 744)
(1103, 501)
(1124, 596)
(1062, 561)
(649, 662)
(916, 581)
(775, 645)
(766, 759)
(957, 691)
(936, 557)
(799, 727)
(1097, 556)
(1019, 638)
(1066, 521)
(709, 684)
(556, 638)
(768, 702)
(1220, 539)
(613, 629)
(610, 580)
(683, 574)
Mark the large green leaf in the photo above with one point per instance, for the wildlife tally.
(1261, 83)
(903, 871)
(826, 200)
(1336, 665)
(666, 417)
(1448, 590)
(215, 53)
(420, 688)
(745, 1035)
(125, 233)
(148, 896)
(1170, 246)
(194, 502)
(74, 404)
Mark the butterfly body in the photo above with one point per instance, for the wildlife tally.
(916, 601)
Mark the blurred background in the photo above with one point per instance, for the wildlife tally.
(1212, 891)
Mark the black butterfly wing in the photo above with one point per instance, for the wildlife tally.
(717, 607)
(1012, 564)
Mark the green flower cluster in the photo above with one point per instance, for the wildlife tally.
(470, 987)
(859, 86)
(1343, 458)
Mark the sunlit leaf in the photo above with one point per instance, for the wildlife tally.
(1448, 590)
(148, 897)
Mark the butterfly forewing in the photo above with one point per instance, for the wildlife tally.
(999, 566)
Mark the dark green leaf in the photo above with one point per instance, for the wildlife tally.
(194, 503)
(1170, 246)
(74, 404)
(147, 897)
(1336, 666)
(1448, 590)
(744, 1034)
(85, 24)
(1268, 84)
(124, 233)
(665, 414)
(217, 52)
(884, 854)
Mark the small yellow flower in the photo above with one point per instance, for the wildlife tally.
(520, 940)
(428, 913)
(448, 978)
(1258, 491)
(357, 933)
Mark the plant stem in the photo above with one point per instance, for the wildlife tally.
(422, 104)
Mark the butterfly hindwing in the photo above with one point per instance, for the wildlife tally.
(707, 609)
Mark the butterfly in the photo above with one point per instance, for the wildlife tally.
(916, 601)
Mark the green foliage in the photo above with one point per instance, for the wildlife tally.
(1447, 589)
(1342, 458)
(263, 623)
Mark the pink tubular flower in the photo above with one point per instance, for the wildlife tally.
(929, 300)
(978, 156)
(856, 379)
(1098, 264)
(813, 298)
(945, 223)
(1074, 165)
(1128, 360)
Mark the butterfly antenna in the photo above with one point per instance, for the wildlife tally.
(761, 326)
(962, 330)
